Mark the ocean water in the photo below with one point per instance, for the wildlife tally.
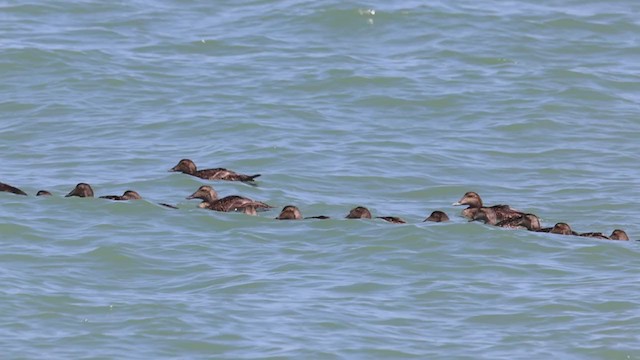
(401, 107)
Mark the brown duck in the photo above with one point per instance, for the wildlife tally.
(210, 201)
(128, 195)
(437, 216)
(81, 190)
(560, 229)
(527, 221)
(489, 214)
(188, 167)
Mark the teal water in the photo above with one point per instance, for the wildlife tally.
(399, 107)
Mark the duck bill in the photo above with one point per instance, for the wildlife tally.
(72, 193)
(457, 203)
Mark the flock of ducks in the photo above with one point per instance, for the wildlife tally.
(497, 215)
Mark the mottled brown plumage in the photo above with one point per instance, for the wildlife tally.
(11, 189)
(488, 214)
(210, 201)
(527, 221)
(188, 167)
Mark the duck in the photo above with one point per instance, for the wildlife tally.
(597, 235)
(359, 212)
(437, 216)
(127, 195)
(489, 214)
(11, 189)
(529, 222)
(81, 190)
(43, 193)
(560, 228)
(230, 203)
(392, 219)
(132, 195)
(290, 212)
(618, 234)
(187, 166)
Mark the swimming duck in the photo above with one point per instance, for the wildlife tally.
(359, 212)
(128, 195)
(8, 188)
(392, 219)
(188, 167)
(81, 190)
(527, 221)
(290, 212)
(615, 235)
(210, 201)
(43, 193)
(618, 234)
(559, 228)
(437, 216)
(489, 214)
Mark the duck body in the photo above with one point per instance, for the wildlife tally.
(81, 190)
(186, 166)
(127, 195)
(392, 219)
(290, 212)
(560, 229)
(359, 212)
(437, 216)
(529, 222)
(230, 203)
(11, 189)
(491, 215)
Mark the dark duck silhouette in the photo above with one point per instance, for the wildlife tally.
(81, 190)
(489, 214)
(43, 193)
(127, 195)
(437, 216)
(290, 212)
(132, 195)
(560, 229)
(11, 189)
(188, 167)
(237, 203)
(526, 221)
(618, 234)
(361, 212)
(392, 219)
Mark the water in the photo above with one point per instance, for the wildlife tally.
(399, 107)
